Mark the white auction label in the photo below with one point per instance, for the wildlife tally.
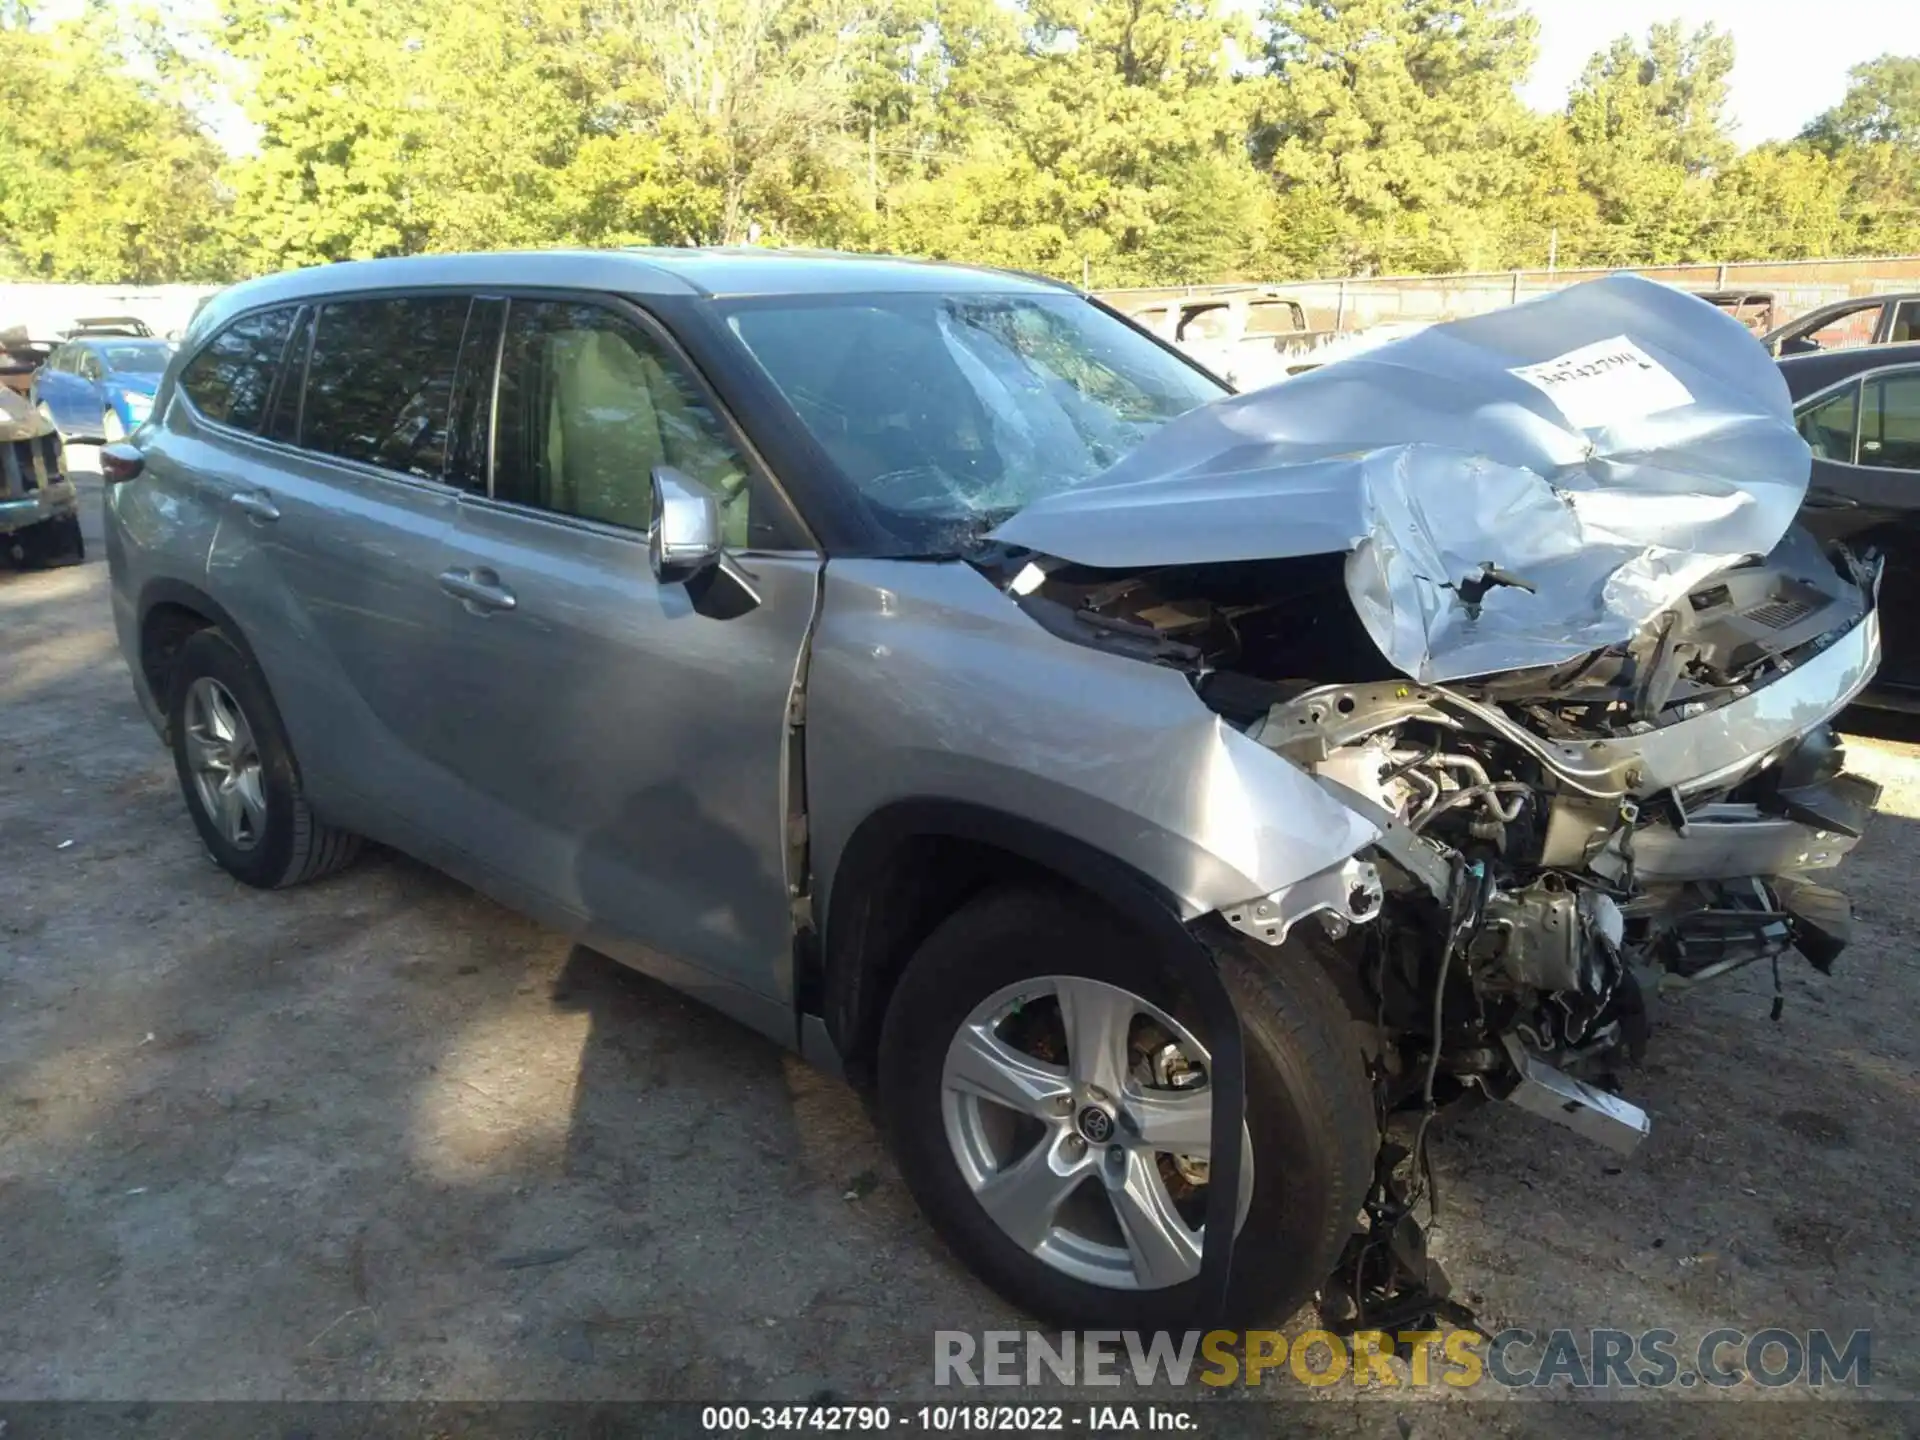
(1605, 383)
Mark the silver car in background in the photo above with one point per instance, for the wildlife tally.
(1162, 799)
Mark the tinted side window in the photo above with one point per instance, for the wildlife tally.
(230, 378)
(1906, 323)
(588, 404)
(284, 422)
(380, 380)
(1890, 422)
(90, 367)
(1828, 427)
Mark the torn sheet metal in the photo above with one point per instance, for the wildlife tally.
(1609, 445)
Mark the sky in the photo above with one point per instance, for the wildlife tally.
(1791, 57)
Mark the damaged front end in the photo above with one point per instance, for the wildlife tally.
(1525, 595)
(1553, 845)
(39, 510)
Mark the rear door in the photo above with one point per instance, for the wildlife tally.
(335, 534)
(622, 743)
(1865, 489)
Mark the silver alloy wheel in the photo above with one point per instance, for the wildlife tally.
(225, 763)
(1067, 1159)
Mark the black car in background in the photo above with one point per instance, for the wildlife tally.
(1847, 325)
(1859, 411)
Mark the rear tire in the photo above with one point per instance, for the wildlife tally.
(247, 805)
(1310, 1119)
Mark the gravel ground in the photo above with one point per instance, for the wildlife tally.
(379, 1138)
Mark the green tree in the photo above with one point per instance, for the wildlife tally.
(1873, 137)
(1881, 107)
(1115, 141)
(104, 176)
(1648, 128)
(1399, 120)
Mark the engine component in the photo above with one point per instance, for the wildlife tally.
(1548, 937)
(1720, 840)
(1342, 895)
(1584, 1109)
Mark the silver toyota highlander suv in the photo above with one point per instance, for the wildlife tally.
(1165, 800)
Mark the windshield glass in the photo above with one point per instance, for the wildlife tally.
(948, 413)
(145, 358)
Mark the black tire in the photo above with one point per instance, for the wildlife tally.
(295, 846)
(1309, 1105)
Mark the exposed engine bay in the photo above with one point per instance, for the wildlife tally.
(1550, 852)
(1528, 896)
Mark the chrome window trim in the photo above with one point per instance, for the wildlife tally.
(320, 457)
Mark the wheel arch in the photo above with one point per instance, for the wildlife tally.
(911, 863)
(168, 613)
(873, 924)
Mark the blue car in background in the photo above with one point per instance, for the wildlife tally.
(99, 387)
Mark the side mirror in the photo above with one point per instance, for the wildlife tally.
(120, 463)
(683, 537)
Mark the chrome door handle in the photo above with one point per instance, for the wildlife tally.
(482, 589)
(257, 504)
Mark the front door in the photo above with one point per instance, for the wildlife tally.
(1865, 490)
(623, 742)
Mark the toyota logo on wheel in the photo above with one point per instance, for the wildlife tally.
(1096, 1125)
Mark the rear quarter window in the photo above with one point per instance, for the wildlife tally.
(231, 377)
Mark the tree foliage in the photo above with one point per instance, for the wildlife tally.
(1129, 141)
(103, 172)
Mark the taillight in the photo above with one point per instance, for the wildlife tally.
(120, 462)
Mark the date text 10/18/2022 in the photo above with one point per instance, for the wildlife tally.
(946, 1419)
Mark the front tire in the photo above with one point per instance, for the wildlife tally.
(1039, 1150)
(237, 771)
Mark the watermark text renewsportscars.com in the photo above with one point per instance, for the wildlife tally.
(1458, 1359)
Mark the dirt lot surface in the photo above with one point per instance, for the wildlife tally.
(379, 1138)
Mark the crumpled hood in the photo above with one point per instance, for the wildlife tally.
(1610, 444)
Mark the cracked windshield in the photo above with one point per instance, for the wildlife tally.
(947, 414)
